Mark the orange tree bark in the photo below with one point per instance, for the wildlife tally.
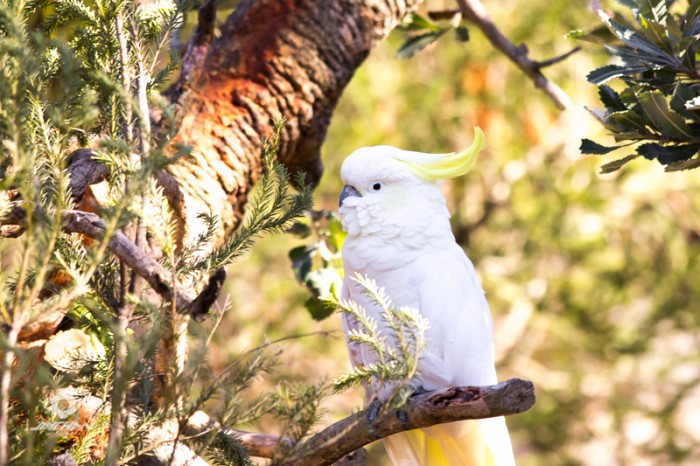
(274, 59)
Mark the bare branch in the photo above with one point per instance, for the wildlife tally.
(197, 49)
(84, 171)
(560, 58)
(352, 433)
(475, 12)
(157, 276)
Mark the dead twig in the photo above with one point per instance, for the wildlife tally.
(474, 11)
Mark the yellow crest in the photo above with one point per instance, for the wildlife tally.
(447, 165)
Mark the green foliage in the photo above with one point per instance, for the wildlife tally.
(76, 73)
(318, 265)
(655, 109)
(272, 209)
(424, 32)
(396, 342)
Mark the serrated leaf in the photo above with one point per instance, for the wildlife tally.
(319, 308)
(462, 33)
(667, 154)
(608, 72)
(666, 120)
(592, 147)
(627, 120)
(617, 164)
(417, 43)
(610, 98)
(684, 165)
(633, 39)
(681, 95)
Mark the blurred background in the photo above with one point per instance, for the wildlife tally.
(592, 279)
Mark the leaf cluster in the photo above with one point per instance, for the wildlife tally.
(318, 265)
(657, 109)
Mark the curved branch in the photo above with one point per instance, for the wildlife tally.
(475, 12)
(157, 276)
(352, 433)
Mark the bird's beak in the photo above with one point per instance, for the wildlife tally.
(347, 191)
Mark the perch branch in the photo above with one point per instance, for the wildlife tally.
(475, 12)
(352, 433)
(157, 276)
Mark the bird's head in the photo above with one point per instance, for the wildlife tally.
(386, 186)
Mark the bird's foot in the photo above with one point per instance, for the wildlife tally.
(371, 415)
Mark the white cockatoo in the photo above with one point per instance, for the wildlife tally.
(398, 234)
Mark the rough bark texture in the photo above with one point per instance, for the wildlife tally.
(454, 404)
(274, 59)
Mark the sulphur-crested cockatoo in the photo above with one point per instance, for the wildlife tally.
(398, 234)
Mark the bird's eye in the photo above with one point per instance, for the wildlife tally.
(377, 186)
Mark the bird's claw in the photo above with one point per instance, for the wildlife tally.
(371, 414)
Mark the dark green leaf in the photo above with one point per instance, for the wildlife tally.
(666, 120)
(656, 34)
(319, 308)
(610, 98)
(600, 35)
(634, 40)
(462, 33)
(655, 9)
(299, 229)
(692, 25)
(667, 154)
(301, 261)
(631, 4)
(688, 47)
(417, 43)
(617, 164)
(609, 72)
(679, 100)
(592, 147)
(627, 120)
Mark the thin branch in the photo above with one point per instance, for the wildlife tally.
(352, 433)
(475, 12)
(439, 15)
(157, 276)
(560, 58)
(197, 49)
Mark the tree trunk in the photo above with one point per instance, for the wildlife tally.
(274, 59)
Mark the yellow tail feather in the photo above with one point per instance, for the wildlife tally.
(454, 444)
